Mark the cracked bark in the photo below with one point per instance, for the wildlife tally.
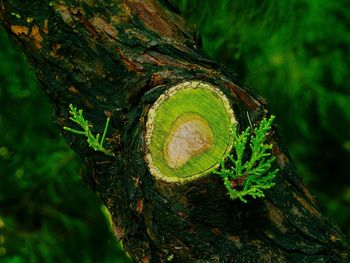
(115, 58)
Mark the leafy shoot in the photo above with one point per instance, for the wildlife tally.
(252, 176)
(94, 142)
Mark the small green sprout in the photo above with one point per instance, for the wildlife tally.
(249, 177)
(94, 141)
(170, 257)
(16, 15)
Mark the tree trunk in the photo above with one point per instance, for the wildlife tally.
(115, 59)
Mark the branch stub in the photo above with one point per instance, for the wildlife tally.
(188, 131)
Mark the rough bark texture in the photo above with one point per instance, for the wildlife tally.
(114, 58)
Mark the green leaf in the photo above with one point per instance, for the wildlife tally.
(93, 141)
(255, 171)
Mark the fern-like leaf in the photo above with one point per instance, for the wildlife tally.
(255, 173)
(94, 141)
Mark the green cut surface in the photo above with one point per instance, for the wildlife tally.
(188, 131)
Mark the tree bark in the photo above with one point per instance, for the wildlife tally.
(114, 59)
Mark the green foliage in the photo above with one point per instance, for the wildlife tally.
(296, 54)
(93, 141)
(46, 213)
(16, 15)
(255, 171)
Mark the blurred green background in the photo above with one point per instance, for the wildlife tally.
(294, 53)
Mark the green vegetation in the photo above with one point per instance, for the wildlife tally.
(255, 172)
(16, 15)
(294, 53)
(46, 213)
(93, 141)
(206, 105)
